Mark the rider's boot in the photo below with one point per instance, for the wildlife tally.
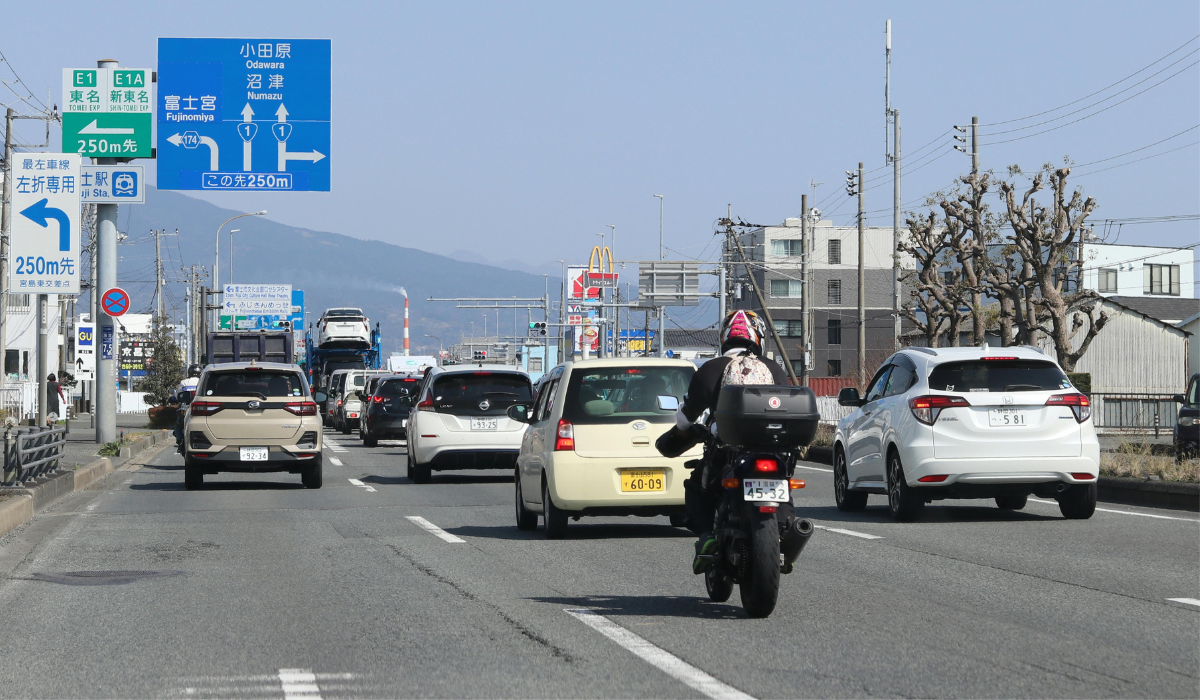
(706, 546)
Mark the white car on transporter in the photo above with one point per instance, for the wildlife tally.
(939, 423)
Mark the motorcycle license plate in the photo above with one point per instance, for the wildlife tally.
(253, 454)
(484, 423)
(638, 480)
(765, 490)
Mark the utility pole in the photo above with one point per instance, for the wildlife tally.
(158, 273)
(862, 279)
(975, 145)
(5, 227)
(106, 327)
(662, 310)
(806, 331)
(896, 230)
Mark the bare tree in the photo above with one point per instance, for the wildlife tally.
(1046, 239)
(973, 228)
(936, 309)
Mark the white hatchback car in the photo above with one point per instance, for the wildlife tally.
(590, 446)
(346, 328)
(941, 423)
(461, 422)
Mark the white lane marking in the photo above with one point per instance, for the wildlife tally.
(1187, 601)
(852, 533)
(92, 507)
(663, 660)
(434, 529)
(299, 683)
(129, 481)
(1125, 512)
(815, 469)
(336, 462)
(356, 482)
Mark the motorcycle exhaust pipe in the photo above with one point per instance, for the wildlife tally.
(794, 539)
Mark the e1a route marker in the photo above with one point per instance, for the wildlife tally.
(115, 302)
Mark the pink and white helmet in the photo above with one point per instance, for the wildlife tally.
(743, 328)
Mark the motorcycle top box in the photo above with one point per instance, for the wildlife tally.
(768, 416)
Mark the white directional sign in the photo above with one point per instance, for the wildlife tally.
(240, 299)
(114, 184)
(45, 223)
(85, 351)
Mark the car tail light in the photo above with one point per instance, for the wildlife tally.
(339, 402)
(566, 436)
(1082, 476)
(377, 399)
(997, 358)
(301, 408)
(426, 405)
(730, 483)
(933, 479)
(1079, 404)
(765, 465)
(205, 408)
(927, 408)
(796, 483)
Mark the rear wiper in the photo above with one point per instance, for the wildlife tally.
(248, 393)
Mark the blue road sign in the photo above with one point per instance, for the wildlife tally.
(244, 114)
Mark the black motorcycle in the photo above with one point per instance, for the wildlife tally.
(759, 537)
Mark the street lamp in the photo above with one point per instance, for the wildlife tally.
(660, 227)
(662, 315)
(231, 232)
(439, 343)
(217, 249)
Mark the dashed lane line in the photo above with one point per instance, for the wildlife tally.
(434, 530)
(815, 469)
(1186, 601)
(336, 462)
(368, 487)
(336, 447)
(1124, 512)
(661, 659)
(852, 533)
(299, 683)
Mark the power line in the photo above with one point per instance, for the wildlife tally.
(1083, 165)
(1138, 160)
(30, 96)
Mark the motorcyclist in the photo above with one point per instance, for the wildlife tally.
(184, 393)
(741, 362)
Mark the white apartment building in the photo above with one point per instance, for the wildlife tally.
(1138, 270)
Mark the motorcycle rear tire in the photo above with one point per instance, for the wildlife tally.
(719, 583)
(759, 584)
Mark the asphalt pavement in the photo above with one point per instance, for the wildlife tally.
(377, 587)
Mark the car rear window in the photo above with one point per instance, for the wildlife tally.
(343, 313)
(398, 388)
(480, 393)
(622, 394)
(998, 375)
(263, 384)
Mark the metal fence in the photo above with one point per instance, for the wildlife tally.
(32, 452)
(19, 398)
(1134, 413)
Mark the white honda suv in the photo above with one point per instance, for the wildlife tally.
(940, 423)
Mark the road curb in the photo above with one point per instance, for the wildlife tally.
(30, 500)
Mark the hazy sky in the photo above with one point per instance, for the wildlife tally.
(519, 130)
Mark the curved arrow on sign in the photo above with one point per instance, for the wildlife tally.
(38, 213)
(214, 161)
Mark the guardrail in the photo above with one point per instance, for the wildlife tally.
(1134, 413)
(32, 452)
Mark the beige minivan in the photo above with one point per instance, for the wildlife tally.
(252, 417)
(589, 449)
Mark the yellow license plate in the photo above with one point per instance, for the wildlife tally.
(643, 480)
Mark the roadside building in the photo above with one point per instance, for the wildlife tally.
(776, 253)
(693, 343)
(1138, 270)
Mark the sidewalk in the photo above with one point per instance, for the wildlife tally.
(81, 444)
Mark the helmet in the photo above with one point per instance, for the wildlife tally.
(194, 370)
(743, 329)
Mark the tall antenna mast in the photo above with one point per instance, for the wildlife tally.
(887, 93)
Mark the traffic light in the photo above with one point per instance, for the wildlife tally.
(537, 328)
(480, 355)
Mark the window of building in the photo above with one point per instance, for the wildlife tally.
(835, 368)
(1068, 282)
(835, 331)
(19, 302)
(835, 251)
(1108, 280)
(789, 329)
(786, 288)
(1160, 279)
(786, 247)
(834, 290)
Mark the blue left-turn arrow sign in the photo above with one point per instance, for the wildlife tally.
(39, 213)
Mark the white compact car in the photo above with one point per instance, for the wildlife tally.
(345, 328)
(461, 422)
(941, 423)
(590, 445)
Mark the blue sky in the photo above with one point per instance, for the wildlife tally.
(519, 130)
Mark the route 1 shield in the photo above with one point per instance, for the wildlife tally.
(45, 223)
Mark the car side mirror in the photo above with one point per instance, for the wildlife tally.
(668, 403)
(1178, 398)
(849, 397)
(320, 396)
(518, 412)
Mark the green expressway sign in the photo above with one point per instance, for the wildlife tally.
(108, 112)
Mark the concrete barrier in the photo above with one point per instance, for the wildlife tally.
(14, 511)
(90, 473)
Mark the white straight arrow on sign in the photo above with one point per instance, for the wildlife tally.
(247, 113)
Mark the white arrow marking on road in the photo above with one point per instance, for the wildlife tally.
(661, 659)
(852, 533)
(299, 683)
(1188, 601)
(356, 482)
(247, 113)
(214, 161)
(434, 529)
(99, 130)
(336, 462)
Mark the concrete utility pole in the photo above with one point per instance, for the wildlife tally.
(762, 302)
(974, 145)
(106, 326)
(662, 310)
(5, 227)
(862, 279)
(806, 329)
(896, 231)
(158, 273)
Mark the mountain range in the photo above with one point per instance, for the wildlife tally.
(333, 269)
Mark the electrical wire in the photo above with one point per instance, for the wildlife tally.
(1138, 160)
(40, 106)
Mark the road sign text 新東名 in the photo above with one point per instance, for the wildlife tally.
(108, 112)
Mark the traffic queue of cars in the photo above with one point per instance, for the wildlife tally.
(933, 424)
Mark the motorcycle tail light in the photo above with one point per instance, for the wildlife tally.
(566, 437)
(301, 408)
(339, 402)
(765, 465)
(927, 408)
(766, 509)
(205, 408)
(1078, 403)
